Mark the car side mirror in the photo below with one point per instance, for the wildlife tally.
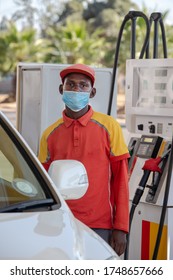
(70, 178)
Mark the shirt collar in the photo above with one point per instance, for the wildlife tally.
(83, 120)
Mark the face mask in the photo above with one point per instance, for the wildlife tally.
(75, 100)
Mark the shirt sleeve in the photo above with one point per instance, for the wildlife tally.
(120, 194)
(43, 153)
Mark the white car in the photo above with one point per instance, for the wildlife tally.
(35, 221)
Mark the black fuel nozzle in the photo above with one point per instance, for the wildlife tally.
(140, 188)
(150, 165)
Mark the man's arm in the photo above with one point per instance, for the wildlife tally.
(120, 203)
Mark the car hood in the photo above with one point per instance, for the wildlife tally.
(49, 235)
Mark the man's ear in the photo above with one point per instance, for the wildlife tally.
(61, 89)
(93, 92)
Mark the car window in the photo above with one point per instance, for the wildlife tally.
(17, 181)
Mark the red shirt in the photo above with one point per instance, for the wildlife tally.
(96, 140)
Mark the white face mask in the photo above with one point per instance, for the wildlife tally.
(75, 100)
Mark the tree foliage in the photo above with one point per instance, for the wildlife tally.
(73, 44)
(18, 46)
(69, 31)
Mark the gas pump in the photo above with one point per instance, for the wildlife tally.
(149, 120)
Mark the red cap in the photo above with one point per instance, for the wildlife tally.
(78, 68)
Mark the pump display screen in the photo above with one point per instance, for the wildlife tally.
(161, 72)
(160, 86)
(149, 96)
(148, 146)
(148, 140)
(160, 99)
(154, 87)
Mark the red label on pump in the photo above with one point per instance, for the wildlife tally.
(148, 241)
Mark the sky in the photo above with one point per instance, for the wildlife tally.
(157, 6)
(7, 7)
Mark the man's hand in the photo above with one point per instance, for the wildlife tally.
(118, 241)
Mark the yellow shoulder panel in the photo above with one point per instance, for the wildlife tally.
(117, 143)
(43, 149)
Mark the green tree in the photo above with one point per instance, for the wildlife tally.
(73, 44)
(16, 46)
(83, 30)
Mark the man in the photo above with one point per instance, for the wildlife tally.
(96, 140)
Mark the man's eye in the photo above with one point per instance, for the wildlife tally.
(84, 85)
(71, 84)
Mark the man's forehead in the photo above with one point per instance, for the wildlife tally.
(77, 77)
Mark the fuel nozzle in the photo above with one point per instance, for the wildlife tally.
(150, 165)
(140, 188)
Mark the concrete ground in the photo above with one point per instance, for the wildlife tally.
(8, 108)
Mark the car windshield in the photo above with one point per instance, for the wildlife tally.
(18, 184)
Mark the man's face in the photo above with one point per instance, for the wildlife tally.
(77, 82)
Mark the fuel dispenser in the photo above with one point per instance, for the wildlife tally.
(149, 120)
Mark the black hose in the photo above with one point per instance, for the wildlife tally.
(131, 15)
(126, 253)
(163, 38)
(115, 65)
(157, 18)
(165, 203)
(135, 202)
